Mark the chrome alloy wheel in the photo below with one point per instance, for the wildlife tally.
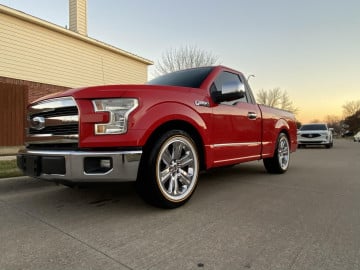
(177, 168)
(283, 152)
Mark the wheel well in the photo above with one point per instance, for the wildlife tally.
(286, 133)
(184, 126)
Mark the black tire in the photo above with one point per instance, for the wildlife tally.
(279, 163)
(329, 145)
(174, 158)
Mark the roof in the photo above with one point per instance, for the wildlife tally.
(53, 27)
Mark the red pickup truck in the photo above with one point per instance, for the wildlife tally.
(160, 134)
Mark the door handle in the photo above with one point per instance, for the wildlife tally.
(252, 115)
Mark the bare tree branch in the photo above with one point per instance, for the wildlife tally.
(351, 107)
(182, 58)
(276, 98)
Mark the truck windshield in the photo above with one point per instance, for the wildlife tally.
(313, 127)
(187, 78)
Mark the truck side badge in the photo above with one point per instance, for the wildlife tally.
(202, 103)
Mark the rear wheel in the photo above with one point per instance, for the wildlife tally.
(279, 163)
(169, 171)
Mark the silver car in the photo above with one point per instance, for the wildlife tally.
(315, 134)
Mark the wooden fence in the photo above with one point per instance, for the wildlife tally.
(13, 102)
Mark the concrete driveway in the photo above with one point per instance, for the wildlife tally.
(238, 218)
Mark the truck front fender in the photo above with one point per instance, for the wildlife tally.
(152, 118)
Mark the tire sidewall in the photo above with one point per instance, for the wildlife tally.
(151, 179)
(282, 136)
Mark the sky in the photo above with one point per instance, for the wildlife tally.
(309, 48)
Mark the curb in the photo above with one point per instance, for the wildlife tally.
(14, 178)
(7, 157)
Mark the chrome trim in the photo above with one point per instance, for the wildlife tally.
(125, 165)
(49, 138)
(252, 115)
(236, 144)
(39, 110)
(230, 87)
(37, 123)
(202, 103)
(49, 105)
(61, 120)
(99, 174)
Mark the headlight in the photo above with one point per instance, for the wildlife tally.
(119, 110)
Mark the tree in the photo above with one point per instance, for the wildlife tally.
(334, 122)
(276, 98)
(184, 57)
(353, 122)
(351, 107)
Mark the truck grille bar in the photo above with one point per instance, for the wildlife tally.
(54, 121)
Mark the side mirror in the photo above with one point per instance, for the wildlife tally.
(230, 91)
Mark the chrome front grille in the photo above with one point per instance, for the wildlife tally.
(53, 121)
(57, 130)
(57, 111)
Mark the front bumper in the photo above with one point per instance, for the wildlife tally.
(80, 166)
(317, 141)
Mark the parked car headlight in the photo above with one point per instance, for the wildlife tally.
(119, 110)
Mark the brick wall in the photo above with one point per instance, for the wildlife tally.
(35, 90)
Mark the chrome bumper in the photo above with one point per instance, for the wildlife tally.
(80, 166)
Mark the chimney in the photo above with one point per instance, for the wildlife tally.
(78, 17)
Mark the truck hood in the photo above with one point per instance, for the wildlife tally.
(109, 91)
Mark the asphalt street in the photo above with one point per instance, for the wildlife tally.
(238, 218)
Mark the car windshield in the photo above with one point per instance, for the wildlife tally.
(314, 127)
(186, 78)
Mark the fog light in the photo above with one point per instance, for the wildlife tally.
(105, 163)
(97, 165)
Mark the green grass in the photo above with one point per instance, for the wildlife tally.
(8, 168)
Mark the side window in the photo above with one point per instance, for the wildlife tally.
(223, 78)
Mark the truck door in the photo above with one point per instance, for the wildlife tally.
(236, 134)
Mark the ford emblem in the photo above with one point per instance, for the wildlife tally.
(37, 123)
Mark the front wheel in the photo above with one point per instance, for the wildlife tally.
(330, 145)
(169, 171)
(279, 163)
